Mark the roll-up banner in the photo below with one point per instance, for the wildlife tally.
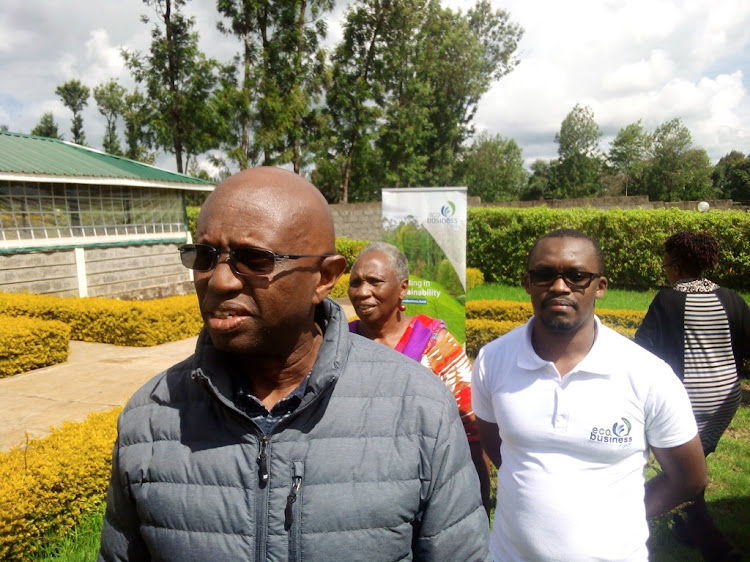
(428, 224)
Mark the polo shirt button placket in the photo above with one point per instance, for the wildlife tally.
(561, 411)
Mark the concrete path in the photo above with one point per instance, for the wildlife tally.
(96, 377)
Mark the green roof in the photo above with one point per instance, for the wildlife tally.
(30, 156)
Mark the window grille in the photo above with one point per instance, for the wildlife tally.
(50, 213)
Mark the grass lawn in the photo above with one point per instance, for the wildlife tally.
(81, 545)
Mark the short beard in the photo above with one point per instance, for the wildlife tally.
(558, 325)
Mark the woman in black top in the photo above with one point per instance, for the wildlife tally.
(703, 331)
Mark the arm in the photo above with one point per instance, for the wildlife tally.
(448, 360)
(121, 538)
(453, 524)
(683, 476)
(489, 437)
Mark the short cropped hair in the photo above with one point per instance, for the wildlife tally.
(692, 252)
(396, 258)
(571, 233)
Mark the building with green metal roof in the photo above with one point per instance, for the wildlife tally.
(77, 221)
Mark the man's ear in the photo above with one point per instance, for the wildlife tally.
(601, 287)
(331, 268)
(527, 283)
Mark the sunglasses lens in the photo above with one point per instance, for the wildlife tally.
(251, 260)
(542, 276)
(197, 257)
(577, 278)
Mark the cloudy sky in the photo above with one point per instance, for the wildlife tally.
(652, 60)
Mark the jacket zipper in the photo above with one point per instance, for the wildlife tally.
(263, 461)
(292, 524)
(263, 471)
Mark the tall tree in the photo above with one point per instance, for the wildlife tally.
(243, 17)
(628, 153)
(356, 91)
(475, 50)
(46, 127)
(492, 168)
(731, 176)
(677, 171)
(406, 78)
(179, 80)
(577, 171)
(540, 182)
(135, 114)
(74, 96)
(281, 83)
(109, 99)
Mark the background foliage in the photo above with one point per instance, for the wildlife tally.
(498, 241)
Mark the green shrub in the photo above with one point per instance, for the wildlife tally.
(31, 343)
(191, 213)
(350, 249)
(499, 240)
(133, 323)
(474, 278)
(48, 485)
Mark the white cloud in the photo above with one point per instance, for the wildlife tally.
(641, 59)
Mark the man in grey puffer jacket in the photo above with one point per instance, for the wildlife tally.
(285, 437)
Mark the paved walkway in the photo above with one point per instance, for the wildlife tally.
(96, 377)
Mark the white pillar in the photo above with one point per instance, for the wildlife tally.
(83, 286)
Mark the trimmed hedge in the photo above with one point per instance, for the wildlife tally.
(31, 343)
(48, 485)
(133, 323)
(487, 320)
(499, 240)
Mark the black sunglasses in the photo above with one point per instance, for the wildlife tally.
(243, 260)
(573, 278)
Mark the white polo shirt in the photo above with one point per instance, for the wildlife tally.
(571, 484)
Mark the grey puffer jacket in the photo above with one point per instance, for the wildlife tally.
(373, 465)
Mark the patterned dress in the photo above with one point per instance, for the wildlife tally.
(703, 332)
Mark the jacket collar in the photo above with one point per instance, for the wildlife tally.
(213, 368)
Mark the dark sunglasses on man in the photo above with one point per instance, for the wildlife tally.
(244, 260)
(573, 278)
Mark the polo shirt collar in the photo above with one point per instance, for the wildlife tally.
(598, 361)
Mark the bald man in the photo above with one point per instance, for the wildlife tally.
(285, 437)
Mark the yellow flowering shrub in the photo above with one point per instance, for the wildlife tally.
(499, 310)
(341, 288)
(134, 323)
(30, 343)
(50, 483)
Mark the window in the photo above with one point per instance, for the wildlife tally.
(34, 214)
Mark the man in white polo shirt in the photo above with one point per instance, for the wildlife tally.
(567, 410)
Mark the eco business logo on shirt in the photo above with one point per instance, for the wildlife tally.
(445, 216)
(619, 433)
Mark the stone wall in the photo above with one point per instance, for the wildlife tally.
(142, 271)
(359, 221)
(44, 273)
